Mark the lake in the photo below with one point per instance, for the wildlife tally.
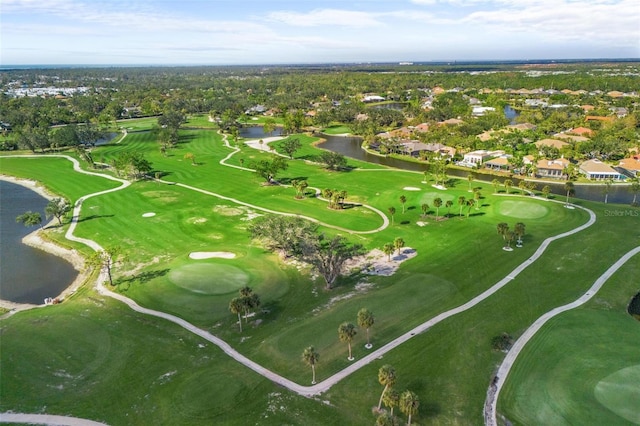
(27, 275)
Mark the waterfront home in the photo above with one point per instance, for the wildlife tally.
(551, 168)
(478, 157)
(597, 170)
(630, 166)
(499, 163)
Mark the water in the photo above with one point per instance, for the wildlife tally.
(256, 132)
(511, 114)
(27, 275)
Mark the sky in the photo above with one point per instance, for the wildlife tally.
(231, 32)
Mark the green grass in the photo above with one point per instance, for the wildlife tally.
(450, 366)
(336, 130)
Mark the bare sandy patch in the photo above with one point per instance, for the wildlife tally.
(211, 255)
(411, 188)
(149, 214)
(377, 263)
(228, 211)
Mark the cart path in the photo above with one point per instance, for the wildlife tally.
(504, 369)
(326, 384)
(46, 419)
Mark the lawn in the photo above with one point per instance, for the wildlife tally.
(449, 366)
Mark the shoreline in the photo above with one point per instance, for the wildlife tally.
(35, 240)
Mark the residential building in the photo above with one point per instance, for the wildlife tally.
(630, 166)
(554, 143)
(477, 158)
(551, 168)
(597, 170)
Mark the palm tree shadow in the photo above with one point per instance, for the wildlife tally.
(94, 216)
(124, 283)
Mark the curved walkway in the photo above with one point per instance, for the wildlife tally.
(294, 387)
(46, 419)
(509, 360)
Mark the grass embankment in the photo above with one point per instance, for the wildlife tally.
(449, 367)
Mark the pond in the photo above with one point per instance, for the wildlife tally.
(27, 275)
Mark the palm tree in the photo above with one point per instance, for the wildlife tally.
(522, 185)
(546, 190)
(570, 188)
(346, 333)
(409, 404)
(470, 203)
(503, 229)
(388, 249)
(236, 307)
(476, 197)
(403, 200)
(398, 243)
(518, 229)
(606, 188)
(635, 188)
(387, 378)
(437, 202)
(470, 178)
(311, 357)
(507, 185)
(392, 211)
(366, 320)
(448, 205)
(386, 419)
(425, 209)
(391, 399)
(461, 202)
(495, 184)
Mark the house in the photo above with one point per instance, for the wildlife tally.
(630, 166)
(522, 126)
(256, 109)
(573, 138)
(477, 158)
(451, 122)
(551, 168)
(598, 118)
(499, 163)
(421, 128)
(554, 143)
(597, 170)
(479, 111)
(581, 131)
(373, 98)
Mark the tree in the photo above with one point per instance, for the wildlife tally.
(300, 186)
(190, 156)
(29, 218)
(386, 419)
(546, 190)
(518, 230)
(522, 185)
(269, 125)
(249, 301)
(387, 378)
(477, 195)
(461, 202)
(398, 243)
(606, 188)
(290, 146)
(495, 184)
(57, 207)
(366, 320)
(391, 399)
(470, 178)
(570, 188)
(311, 357)
(503, 229)
(635, 188)
(346, 333)
(236, 307)
(507, 185)
(392, 211)
(437, 202)
(448, 205)
(409, 404)
(470, 204)
(328, 255)
(106, 259)
(388, 249)
(269, 169)
(333, 160)
(403, 201)
(282, 233)
(425, 209)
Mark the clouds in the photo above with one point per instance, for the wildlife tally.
(250, 31)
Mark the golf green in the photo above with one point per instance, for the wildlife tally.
(522, 209)
(619, 392)
(209, 278)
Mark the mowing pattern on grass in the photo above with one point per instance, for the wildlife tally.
(209, 278)
(619, 392)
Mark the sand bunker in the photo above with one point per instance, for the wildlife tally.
(150, 214)
(211, 254)
(411, 188)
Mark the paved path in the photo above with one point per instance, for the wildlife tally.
(46, 419)
(294, 387)
(509, 360)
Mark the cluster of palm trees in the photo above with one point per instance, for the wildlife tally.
(346, 332)
(336, 198)
(508, 235)
(407, 400)
(396, 245)
(244, 304)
